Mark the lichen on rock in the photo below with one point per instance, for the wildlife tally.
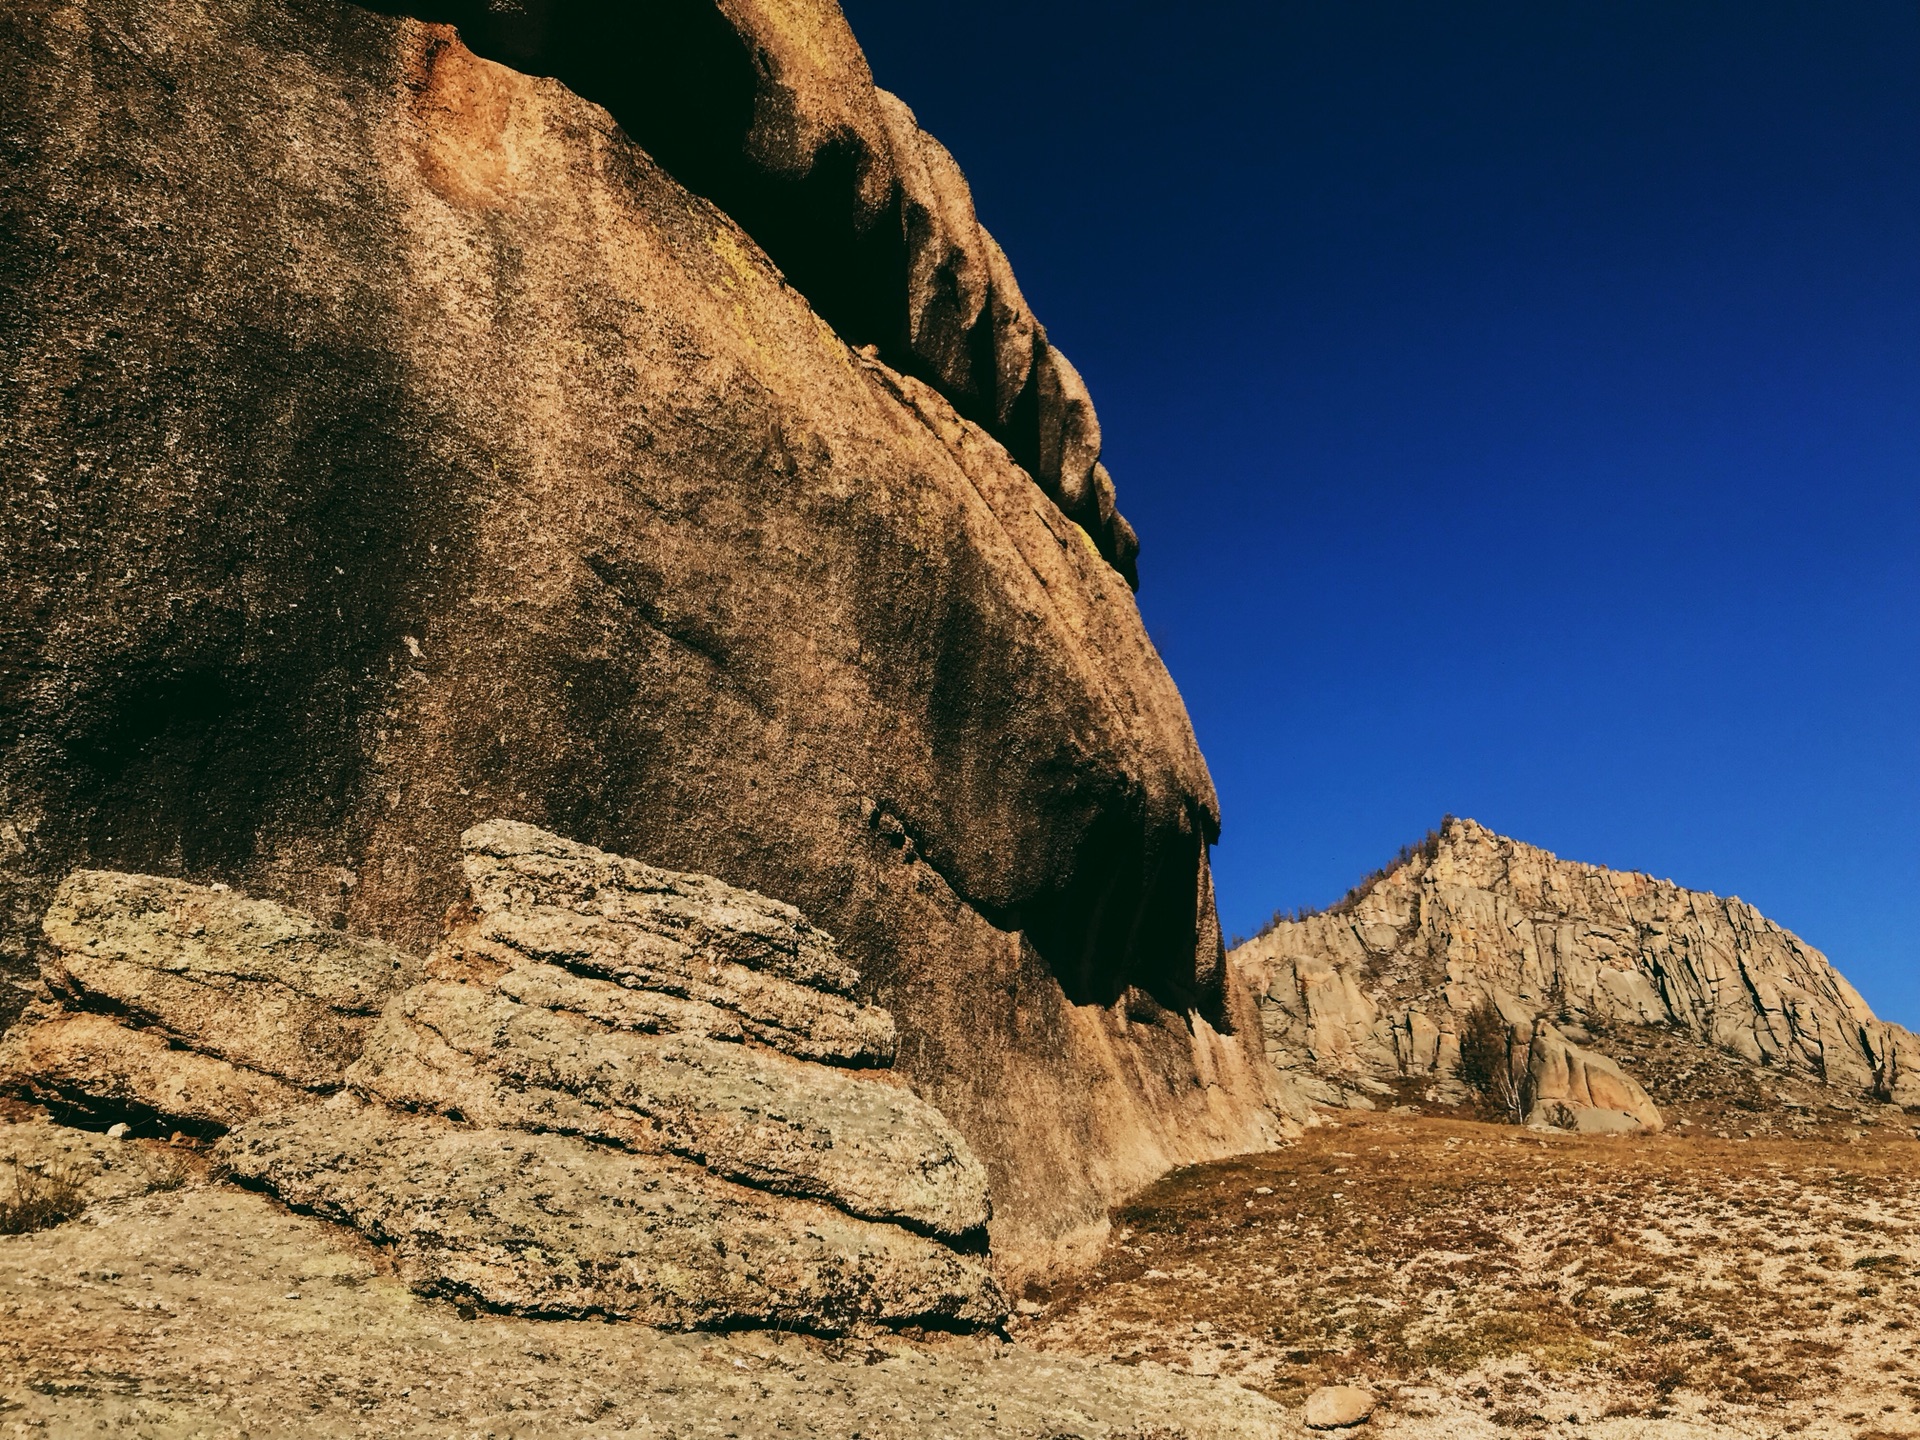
(601, 1148)
(192, 1005)
(543, 1225)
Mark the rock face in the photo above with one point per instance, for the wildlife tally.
(393, 443)
(732, 962)
(1375, 990)
(192, 1006)
(771, 112)
(662, 1172)
(876, 1149)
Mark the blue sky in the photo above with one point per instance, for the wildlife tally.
(1519, 404)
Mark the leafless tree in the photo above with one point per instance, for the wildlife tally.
(1487, 1065)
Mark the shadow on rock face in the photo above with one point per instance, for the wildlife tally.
(257, 539)
(393, 445)
(1129, 920)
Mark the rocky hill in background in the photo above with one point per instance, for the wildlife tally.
(633, 434)
(1692, 996)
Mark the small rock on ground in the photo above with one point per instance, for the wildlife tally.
(1334, 1407)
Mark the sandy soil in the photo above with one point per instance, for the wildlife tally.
(1486, 1278)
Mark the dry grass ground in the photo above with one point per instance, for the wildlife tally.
(1495, 1274)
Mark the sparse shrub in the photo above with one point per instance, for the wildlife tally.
(39, 1199)
(172, 1175)
(1879, 1262)
(1426, 849)
(1487, 1065)
(1886, 1078)
(1559, 1003)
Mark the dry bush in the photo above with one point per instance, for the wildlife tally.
(1487, 1066)
(40, 1199)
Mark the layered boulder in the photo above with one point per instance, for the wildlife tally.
(1375, 991)
(538, 1138)
(1570, 1087)
(395, 440)
(192, 1005)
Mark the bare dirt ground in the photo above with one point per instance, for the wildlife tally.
(167, 1306)
(1483, 1280)
(1491, 1279)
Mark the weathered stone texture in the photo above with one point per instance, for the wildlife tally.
(542, 1225)
(871, 1147)
(94, 1067)
(747, 1186)
(391, 444)
(535, 896)
(229, 1315)
(189, 1005)
(247, 981)
(1374, 990)
(1573, 1088)
(770, 111)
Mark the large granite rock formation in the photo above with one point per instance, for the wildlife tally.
(770, 111)
(1376, 989)
(392, 443)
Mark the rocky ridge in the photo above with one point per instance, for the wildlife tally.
(1369, 998)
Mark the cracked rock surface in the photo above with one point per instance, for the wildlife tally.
(555, 1144)
(1373, 991)
(544, 1225)
(874, 1149)
(471, 457)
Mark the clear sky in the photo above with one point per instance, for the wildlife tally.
(1519, 404)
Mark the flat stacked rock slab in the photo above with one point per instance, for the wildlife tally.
(871, 1147)
(640, 1094)
(539, 1224)
(737, 963)
(92, 1067)
(192, 1005)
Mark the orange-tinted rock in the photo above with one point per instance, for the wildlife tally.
(392, 444)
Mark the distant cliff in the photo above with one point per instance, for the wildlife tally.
(1375, 989)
